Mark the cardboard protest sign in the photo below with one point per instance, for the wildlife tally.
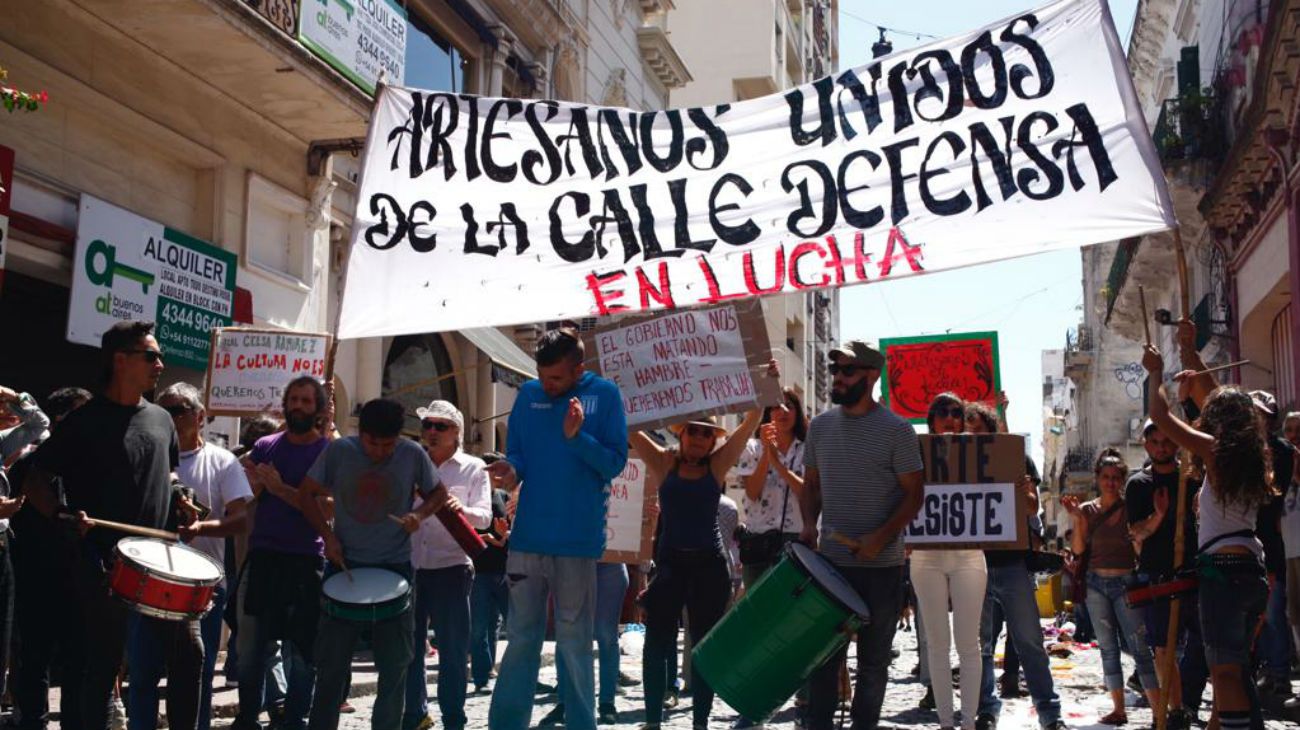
(629, 532)
(971, 498)
(680, 365)
(919, 368)
(935, 157)
(248, 368)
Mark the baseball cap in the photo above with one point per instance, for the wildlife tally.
(863, 352)
(1147, 427)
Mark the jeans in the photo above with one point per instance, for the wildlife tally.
(939, 576)
(1112, 618)
(441, 600)
(1231, 603)
(391, 642)
(882, 590)
(699, 582)
(1011, 592)
(533, 578)
(260, 641)
(105, 619)
(1275, 639)
(488, 600)
(155, 646)
(611, 586)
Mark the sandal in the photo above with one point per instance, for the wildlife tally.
(1116, 717)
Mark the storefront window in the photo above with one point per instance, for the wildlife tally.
(418, 370)
(431, 61)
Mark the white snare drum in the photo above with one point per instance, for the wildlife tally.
(369, 595)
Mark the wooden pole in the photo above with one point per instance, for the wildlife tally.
(1146, 319)
(1184, 471)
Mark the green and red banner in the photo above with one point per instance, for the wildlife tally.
(919, 368)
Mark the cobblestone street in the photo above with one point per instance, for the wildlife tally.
(1078, 681)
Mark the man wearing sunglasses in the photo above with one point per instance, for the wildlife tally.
(115, 456)
(444, 574)
(863, 477)
(567, 439)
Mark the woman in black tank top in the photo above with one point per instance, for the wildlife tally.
(690, 568)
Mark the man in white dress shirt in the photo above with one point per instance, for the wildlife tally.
(444, 574)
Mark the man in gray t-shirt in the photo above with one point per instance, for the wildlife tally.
(863, 478)
(373, 479)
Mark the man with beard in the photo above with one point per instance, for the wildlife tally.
(279, 587)
(864, 479)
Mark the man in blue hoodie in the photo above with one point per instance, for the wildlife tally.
(567, 439)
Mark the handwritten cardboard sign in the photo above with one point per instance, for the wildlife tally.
(629, 532)
(919, 368)
(248, 368)
(971, 498)
(685, 364)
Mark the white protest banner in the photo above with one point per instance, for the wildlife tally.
(1022, 137)
(971, 499)
(249, 368)
(684, 364)
(129, 267)
(628, 533)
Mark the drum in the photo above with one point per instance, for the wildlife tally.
(789, 623)
(164, 579)
(366, 595)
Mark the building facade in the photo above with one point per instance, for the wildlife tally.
(753, 48)
(238, 122)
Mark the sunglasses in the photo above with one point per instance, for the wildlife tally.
(848, 370)
(954, 412)
(176, 410)
(150, 356)
(439, 426)
(698, 431)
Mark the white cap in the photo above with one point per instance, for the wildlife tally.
(444, 411)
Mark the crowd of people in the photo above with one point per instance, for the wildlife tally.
(298, 515)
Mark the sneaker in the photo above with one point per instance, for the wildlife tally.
(985, 721)
(554, 717)
(346, 708)
(607, 715)
(927, 702)
(671, 699)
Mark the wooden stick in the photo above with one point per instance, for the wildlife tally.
(843, 539)
(1217, 368)
(129, 529)
(1146, 320)
(1184, 290)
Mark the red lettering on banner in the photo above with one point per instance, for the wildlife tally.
(800, 251)
(596, 284)
(751, 281)
(911, 253)
(715, 294)
(647, 290)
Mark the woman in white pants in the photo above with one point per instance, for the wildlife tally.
(951, 577)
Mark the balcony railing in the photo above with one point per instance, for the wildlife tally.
(1191, 127)
(1080, 458)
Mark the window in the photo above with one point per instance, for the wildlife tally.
(418, 370)
(276, 239)
(432, 62)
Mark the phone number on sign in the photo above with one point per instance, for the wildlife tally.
(197, 320)
(369, 50)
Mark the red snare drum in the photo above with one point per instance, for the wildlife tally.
(163, 579)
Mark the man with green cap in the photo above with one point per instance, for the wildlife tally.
(863, 478)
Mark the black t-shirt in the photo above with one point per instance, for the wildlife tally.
(1007, 557)
(116, 463)
(1157, 556)
(493, 558)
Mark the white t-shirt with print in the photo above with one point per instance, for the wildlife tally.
(217, 479)
(765, 513)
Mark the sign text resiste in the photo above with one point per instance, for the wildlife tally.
(971, 495)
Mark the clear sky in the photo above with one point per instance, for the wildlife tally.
(1030, 301)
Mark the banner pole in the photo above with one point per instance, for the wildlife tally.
(380, 85)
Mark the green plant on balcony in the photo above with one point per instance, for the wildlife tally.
(17, 100)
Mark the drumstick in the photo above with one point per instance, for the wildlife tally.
(844, 540)
(129, 529)
(346, 572)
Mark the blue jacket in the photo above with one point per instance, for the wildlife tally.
(565, 481)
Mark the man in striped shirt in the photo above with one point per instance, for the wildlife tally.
(864, 479)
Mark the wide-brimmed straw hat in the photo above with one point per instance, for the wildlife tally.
(705, 421)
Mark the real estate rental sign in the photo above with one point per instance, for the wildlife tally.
(1018, 138)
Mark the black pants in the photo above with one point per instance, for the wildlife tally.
(49, 627)
(697, 580)
(106, 620)
(882, 590)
